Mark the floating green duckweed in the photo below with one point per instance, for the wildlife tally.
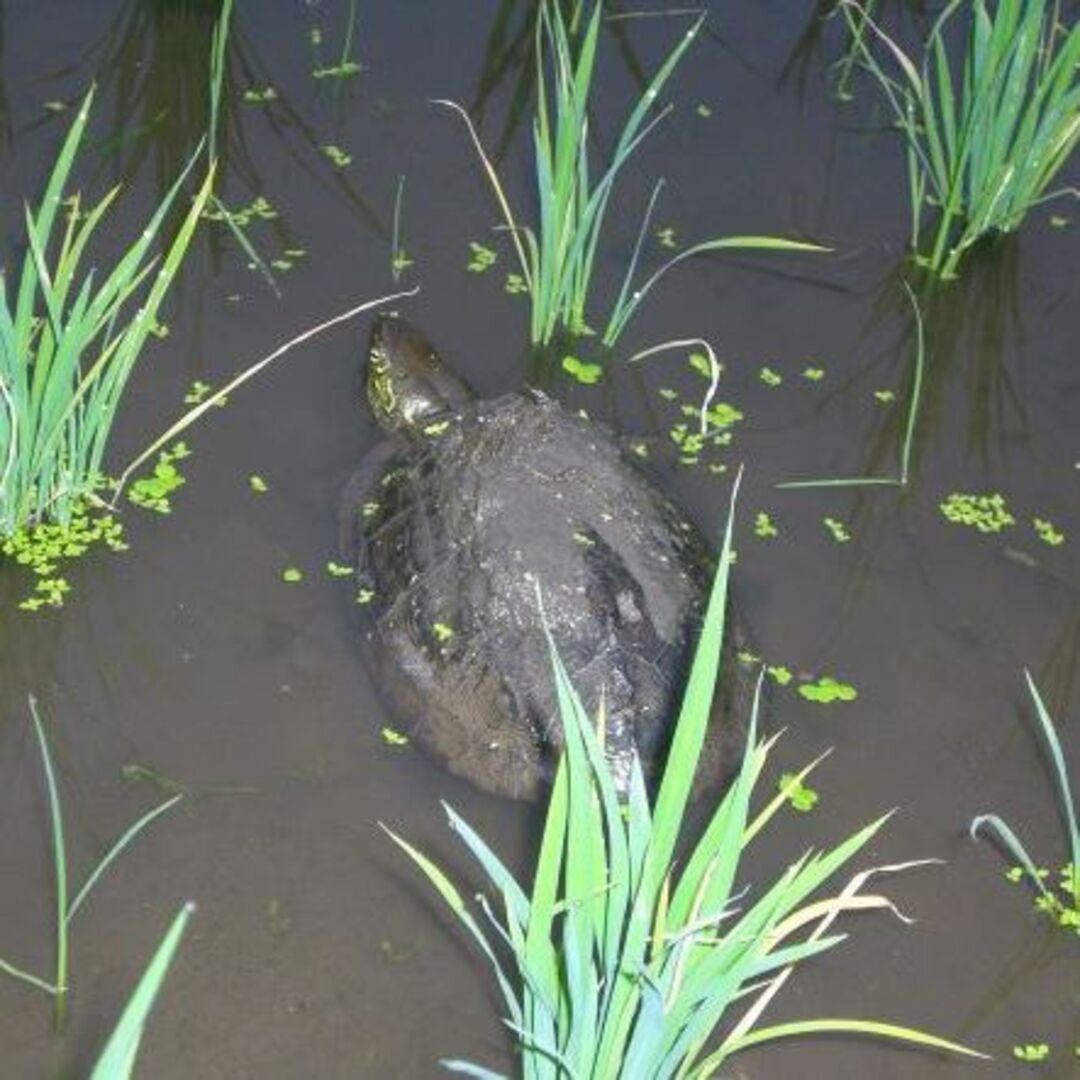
(666, 237)
(837, 530)
(345, 70)
(335, 569)
(1031, 1052)
(260, 208)
(258, 484)
(987, 513)
(722, 415)
(779, 674)
(254, 96)
(1047, 533)
(442, 632)
(700, 363)
(292, 575)
(43, 548)
(813, 374)
(394, 738)
(885, 397)
(801, 797)
(338, 157)
(199, 391)
(703, 110)
(770, 377)
(516, 284)
(365, 596)
(764, 527)
(439, 427)
(369, 509)
(827, 690)
(153, 492)
(584, 372)
(481, 258)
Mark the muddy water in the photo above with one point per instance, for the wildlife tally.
(317, 952)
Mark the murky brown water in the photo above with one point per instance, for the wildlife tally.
(317, 951)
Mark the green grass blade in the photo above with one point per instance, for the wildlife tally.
(840, 1027)
(118, 1058)
(128, 836)
(1062, 777)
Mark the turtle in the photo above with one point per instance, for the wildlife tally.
(454, 521)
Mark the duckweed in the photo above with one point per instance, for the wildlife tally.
(442, 632)
(481, 258)
(801, 797)
(1047, 533)
(1031, 1052)
(258, 484)
(516, 284)
(345, 70)
(770, 377)
(153, 492)
(584, 372)
(243, 216)
(700, 363)
(394, 738)
(827, 690)
(338, 157)
(292, 575)
(779, 674)
(764, 527)
(837, 529)
(987, 513)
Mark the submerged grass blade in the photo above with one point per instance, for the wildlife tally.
(118, 847)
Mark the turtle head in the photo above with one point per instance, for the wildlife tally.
(408, 385)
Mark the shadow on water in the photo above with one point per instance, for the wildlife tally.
(152, 62)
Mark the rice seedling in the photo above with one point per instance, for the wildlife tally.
(624, 969)
(1063, 903)
(69, 346)
(984, 142)
(219, 42)
(399, 258)
(557, 258)
(67, 909)
(117, 1060)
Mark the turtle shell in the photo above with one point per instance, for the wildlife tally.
(454, 533)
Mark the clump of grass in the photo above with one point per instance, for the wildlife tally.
(69, 342)
(622, 967)
(986, 141)
(557, 258)
(66, 910)
(1063, 903)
